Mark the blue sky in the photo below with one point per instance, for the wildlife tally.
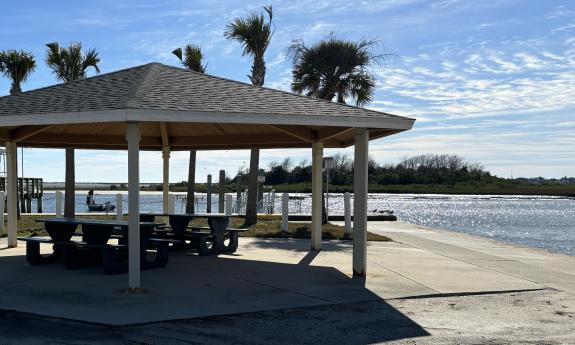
(493, 81)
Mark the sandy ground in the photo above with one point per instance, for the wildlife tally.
(536, 317)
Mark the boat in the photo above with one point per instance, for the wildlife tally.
(93, 207)
(101, 207)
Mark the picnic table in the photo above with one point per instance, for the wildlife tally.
(94, 248)
(208, 241)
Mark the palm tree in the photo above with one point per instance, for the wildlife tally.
(335, 68)
(17, 66)
(192, 60)
(255, 34)
(69, 64)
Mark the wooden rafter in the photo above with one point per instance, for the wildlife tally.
(25, 132)
(304, 134)
(327, 133)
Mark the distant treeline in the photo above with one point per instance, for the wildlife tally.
(422, 169)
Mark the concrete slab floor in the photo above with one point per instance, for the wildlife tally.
(265, 274)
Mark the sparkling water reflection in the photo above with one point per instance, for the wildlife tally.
(542, 222)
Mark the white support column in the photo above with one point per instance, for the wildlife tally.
(12, 191)
(133, 137)
(2, 205)
(316, 184)
(361, 158)
(119, 207)
(58, 204)
(166, 178)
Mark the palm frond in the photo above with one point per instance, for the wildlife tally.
(191, 57)
(335, 67)
(69, 63)
(17, 66)
(254, 33)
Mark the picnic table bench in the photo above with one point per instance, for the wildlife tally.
(209, 240)
(93, 247)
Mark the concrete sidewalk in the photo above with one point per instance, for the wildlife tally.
(553, 270)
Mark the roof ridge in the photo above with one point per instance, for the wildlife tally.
(152, 70)
(80, 80)
(284, 92)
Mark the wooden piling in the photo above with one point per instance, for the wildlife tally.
(209, 195)
(222, 194)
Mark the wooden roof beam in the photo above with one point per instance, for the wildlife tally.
(165, 134)
(5, 134)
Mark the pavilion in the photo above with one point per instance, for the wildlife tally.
(160, 107)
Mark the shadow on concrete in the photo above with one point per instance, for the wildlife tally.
(263, 302)
(308, 258)
(300, 245)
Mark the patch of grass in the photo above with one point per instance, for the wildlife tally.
(270, 226)
(267, 226)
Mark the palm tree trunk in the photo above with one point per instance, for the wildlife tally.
(70, 187)
(191, 183)
(15, 88)
(252, 203)
(258, 71)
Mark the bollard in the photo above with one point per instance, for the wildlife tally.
(172, 204)
(221, 197)
(209, 195)
(229, 203)
(347, 212)
(285, 211)
(2, 203)
(28, 196)
(58, 204)
(119, 211)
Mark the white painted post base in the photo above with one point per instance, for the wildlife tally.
(361, 158)
(229, 203)
(119, 207)
(316, 190)
(347, 213)
(285, 211)
(172, 203)
(58, 204)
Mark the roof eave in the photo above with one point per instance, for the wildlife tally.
(173, 116)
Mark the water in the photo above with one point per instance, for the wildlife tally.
(541, 222)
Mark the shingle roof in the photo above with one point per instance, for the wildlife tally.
(156, 86)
